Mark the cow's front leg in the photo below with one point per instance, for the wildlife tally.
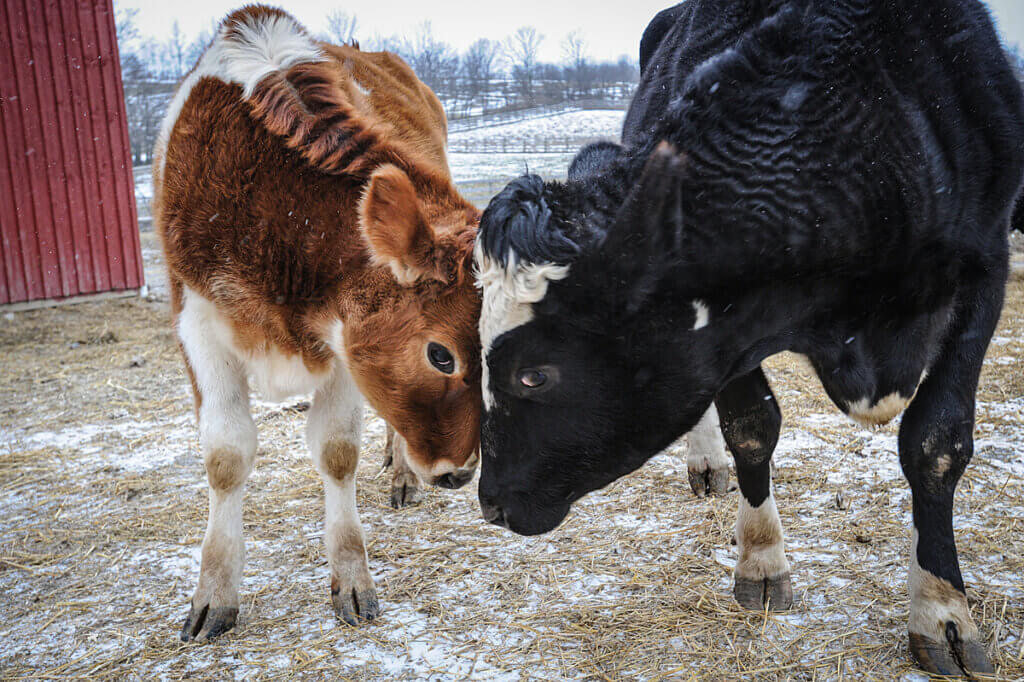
(405, 484)
(334, 433)
(227, 438)
(750, 420)
(936, 443)
(707, 464)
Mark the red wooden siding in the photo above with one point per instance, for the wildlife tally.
(67, 199)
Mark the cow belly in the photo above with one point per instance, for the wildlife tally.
(274, 374)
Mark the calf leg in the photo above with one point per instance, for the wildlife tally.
(333, 433)
(706, 461)
(405, 489)
(751, 420)
(936, 443)
(227, 438)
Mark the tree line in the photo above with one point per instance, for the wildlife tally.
(489, 76)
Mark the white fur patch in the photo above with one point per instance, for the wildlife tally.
(760, 561)
(702, 313)
(266, 45)
(706, 445)
(934, 602)
(275, 375)
(509, 293)
(882, 412)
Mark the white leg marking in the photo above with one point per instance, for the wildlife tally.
(707, 448)
(934, 602)
(333, 433)
(762, 553)
(227, 437)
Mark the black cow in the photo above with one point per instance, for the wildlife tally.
(830, 177)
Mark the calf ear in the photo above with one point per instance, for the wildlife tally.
(396, 230)
(648, 229)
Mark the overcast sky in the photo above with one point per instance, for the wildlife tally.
(611, 29)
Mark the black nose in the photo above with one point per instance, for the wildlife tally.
(493, 514)
(454, 480)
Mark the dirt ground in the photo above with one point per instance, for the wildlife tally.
(103, 502)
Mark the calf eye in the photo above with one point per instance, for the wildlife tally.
(532, 378)
(441, 358)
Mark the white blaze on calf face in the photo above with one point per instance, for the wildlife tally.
(509, 293)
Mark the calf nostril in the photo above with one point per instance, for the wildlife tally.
(447, 481)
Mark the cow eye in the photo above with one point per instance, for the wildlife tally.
(532, 378)
(441, 358)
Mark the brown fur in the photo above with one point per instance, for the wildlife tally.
(225, 469)
(258, 207)
(340, 459)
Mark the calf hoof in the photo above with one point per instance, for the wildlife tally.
(709, 481)
(953, 657)
(405, 490)
(353, 605)
(754, 594)
(205, 624)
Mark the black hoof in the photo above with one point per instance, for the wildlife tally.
(404, 491)
(776, 593)
(952, 657)
(709, 482)
(353, 605)
(205, 624)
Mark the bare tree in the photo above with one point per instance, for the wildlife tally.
(479, 66)
(177, 52)
(578, 71)
(342, 27)
(521, 50)
(433, 60)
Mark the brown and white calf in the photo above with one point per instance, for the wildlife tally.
(315, 244)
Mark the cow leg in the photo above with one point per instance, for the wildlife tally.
(334, 433)
(707, 464)
(405, 490)
(936, 443)
(751, 421)
(227, 438)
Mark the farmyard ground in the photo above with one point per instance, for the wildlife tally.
(104, 505)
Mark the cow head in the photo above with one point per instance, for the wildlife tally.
(585, 374)
(413, 347)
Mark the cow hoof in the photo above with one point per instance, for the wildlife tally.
(953, 657)
(352, 605)
(776, 593)
(709, 481)
(405, 490)
(205, 624)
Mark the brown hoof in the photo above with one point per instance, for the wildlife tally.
(709, 482)
(354, 605)
(205, 624)
(404, 490)
(776, 592)
(953, 657)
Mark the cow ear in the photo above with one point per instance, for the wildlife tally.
(396, 230)
(648, 228)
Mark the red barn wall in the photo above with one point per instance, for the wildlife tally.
(67, 199)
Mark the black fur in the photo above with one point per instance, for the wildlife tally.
(838, 181)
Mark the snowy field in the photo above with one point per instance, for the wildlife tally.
(104, 505)
(478, 164)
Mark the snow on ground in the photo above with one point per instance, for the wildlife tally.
(104, 505)
(573, 128)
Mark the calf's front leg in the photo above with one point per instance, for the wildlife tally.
(227, 438)
(751, 420)
(333, 434)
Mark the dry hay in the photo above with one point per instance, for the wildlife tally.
(104, 506)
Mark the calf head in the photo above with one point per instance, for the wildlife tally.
(412, 344)
(585, 374)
